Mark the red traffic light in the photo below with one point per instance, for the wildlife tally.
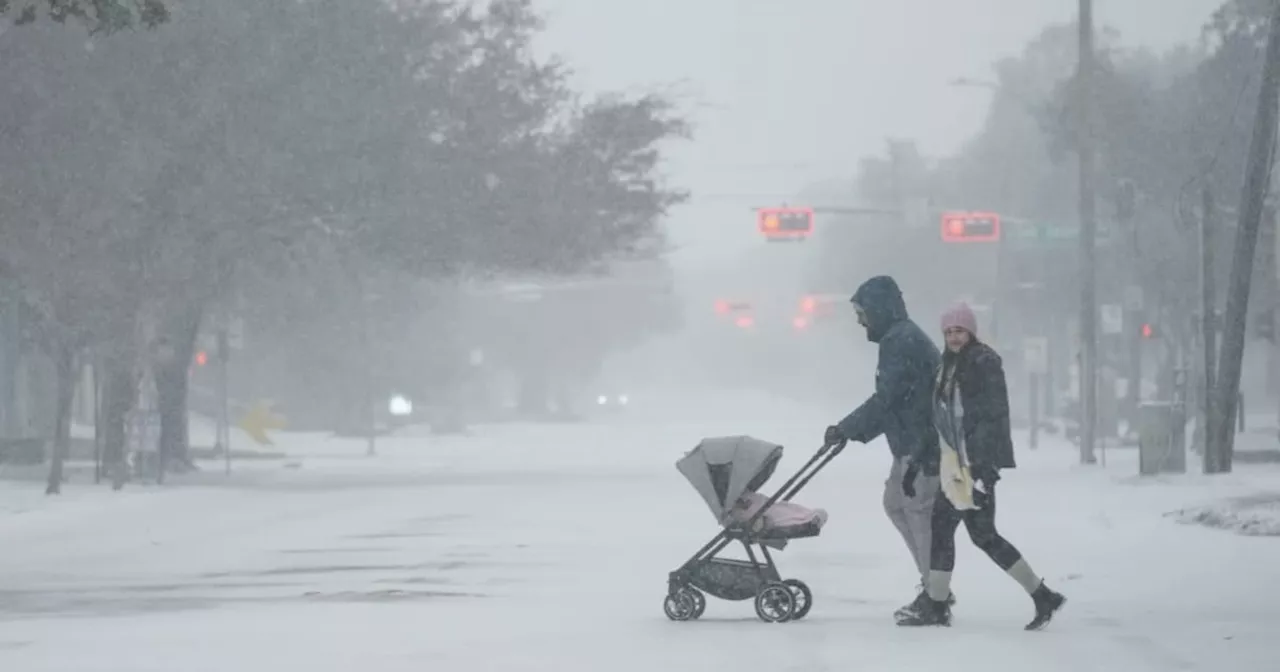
(202, 358)
(724, 307)
(1148, 331)
(970, 227)
(785, 223)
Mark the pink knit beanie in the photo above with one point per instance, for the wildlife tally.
(960, 315)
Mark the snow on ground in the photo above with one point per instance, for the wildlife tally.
(1257, 516)
(1249, 499)
(538, 547)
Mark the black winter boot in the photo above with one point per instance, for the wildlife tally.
(930, 612)
(915, 604)
(1047, 603)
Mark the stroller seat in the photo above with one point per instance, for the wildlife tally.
(780, 522)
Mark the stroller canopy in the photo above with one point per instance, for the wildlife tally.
(722, 469)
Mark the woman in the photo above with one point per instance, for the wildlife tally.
(971, 412)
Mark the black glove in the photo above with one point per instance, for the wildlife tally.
(833, 437)
(984, 479)
(909, 480)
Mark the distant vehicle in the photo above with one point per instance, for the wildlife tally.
(614, 401)
(782, 313)
(400, 410)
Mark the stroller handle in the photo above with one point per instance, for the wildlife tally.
(825, 454)
(801, 478)
(837, 446)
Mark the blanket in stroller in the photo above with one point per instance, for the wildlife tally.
(782, 520)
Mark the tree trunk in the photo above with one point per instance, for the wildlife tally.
(65, 358)
(119, 388)
(1258, 176)
(172, 378)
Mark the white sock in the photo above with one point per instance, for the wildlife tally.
(938, 585)
(1021, 572)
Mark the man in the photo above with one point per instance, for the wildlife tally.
(901, 409)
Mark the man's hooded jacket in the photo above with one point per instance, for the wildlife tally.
(902, 406)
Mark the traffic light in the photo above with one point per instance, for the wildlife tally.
(970, 227)
(1148, 331)
(821, 305)
(785, 223)
(202, 358)
(724, 307)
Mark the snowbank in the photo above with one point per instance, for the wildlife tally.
(1255, 516)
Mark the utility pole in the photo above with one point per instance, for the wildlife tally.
(1252, 199)
(1088, 241)
(1208, 311)
(1134, 299)
(224, 395)
(366, 364)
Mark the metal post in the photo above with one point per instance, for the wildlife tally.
(1240, 412)
(1208, 328)
(95, 369)
(1034, 398)
(370, 407)
(224, 410)
(1088, 236)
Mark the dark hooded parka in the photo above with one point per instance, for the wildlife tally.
(902, 406)
(978, 371)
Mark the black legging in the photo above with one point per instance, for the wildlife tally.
(981, 524)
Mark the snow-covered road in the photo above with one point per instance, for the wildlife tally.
(547, 547)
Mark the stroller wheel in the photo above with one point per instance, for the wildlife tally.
(775, 603)
(681, 606)
(699, 602)
(804, 597)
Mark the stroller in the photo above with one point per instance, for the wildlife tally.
(727, 472)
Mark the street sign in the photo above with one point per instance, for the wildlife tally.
(1112, 318)
(1133, 297)
(235, 333)
(1035, 354)
(1051, 232)
(970, 227)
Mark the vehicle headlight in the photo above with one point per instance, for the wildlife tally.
(602, 400)
(622, 399)
(400, 406)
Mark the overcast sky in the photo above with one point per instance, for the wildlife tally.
(794, 91)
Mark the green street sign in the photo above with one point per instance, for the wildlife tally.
(1048, 233)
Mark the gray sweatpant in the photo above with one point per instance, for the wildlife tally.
(912, 516)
